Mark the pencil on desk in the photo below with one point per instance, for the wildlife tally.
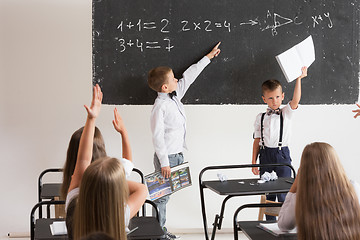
(132, 230)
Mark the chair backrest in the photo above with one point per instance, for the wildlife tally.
(272, 211)
(50, 191)
(44, 227)
(253, 205)
(154, 206)
(40, 180)
(140, 174)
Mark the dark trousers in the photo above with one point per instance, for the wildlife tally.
(275, 155)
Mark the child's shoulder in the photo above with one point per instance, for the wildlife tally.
(261, 113)
(161, 104)
(258, 116)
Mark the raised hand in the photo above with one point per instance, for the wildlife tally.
(87, 138)
(94, 109)
(118, 122)
(303, 72)
(214, 52)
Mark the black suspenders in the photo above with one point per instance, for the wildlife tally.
(281, 130)
(262, 129)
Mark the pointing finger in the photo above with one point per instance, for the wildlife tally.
(217, 45)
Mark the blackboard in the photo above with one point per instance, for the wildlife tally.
(132, 36)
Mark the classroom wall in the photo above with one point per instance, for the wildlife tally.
(45, 72)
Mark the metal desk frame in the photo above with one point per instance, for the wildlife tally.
(237, 226)
(219, 218)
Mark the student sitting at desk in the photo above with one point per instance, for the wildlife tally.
(322, 203)
(106, 201)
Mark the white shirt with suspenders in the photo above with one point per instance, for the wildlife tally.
(269, 130)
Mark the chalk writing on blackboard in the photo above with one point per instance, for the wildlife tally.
(319, 18)
(131, 37)
(272, 22)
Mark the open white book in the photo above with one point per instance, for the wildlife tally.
(292, 60)
(273, 228)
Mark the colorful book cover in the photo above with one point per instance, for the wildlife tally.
(158, 186)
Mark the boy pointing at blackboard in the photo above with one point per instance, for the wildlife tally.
(272, 131)
(168, 120)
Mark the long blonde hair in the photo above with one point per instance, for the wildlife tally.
(102, 198)
(327, 206)
(71, 156)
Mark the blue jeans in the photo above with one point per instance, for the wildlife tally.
(174, 160)
(275, 155)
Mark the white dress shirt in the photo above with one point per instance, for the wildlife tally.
(168, 119)
(271, 127)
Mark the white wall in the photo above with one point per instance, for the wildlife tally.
(45, 72)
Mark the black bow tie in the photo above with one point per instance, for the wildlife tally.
(172, 94)
(270, 111)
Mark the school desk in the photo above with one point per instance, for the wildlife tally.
(239, 187)
(40, 228)
(147, 227)
(253, 232)
(251, 229)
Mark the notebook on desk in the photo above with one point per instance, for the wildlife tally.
(58, 228)
(274, 229)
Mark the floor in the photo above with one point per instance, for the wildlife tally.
(195, 236)
(221, 236)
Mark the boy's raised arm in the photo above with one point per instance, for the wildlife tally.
(297, 91)
(120, 127)
(87, 137)
(194, 70)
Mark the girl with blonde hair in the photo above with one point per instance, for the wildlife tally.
(106, 200)
(322, 203)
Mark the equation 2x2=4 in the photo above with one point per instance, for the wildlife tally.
(164, 25)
